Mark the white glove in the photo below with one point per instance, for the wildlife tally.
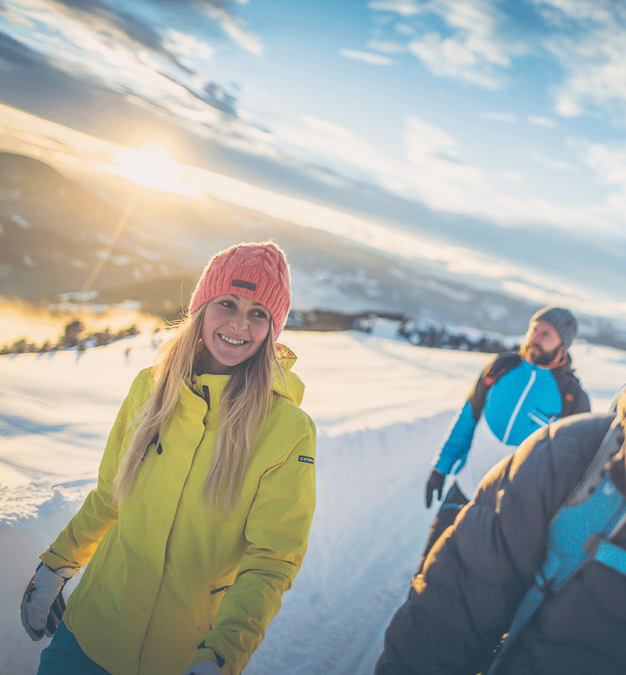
(43, 604)
(204, 668)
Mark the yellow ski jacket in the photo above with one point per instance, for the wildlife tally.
(171, 582)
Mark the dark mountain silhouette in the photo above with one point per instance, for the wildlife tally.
(57, 237)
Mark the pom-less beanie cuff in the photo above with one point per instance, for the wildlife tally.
(562, 320)
(258, 271)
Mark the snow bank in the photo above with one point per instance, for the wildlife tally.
(381, 408)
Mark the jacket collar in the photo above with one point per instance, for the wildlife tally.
(284, 382)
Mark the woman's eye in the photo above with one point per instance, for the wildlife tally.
(259, 314)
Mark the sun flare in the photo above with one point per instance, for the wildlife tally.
(152, 167)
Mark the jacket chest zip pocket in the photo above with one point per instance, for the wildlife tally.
(154, 440)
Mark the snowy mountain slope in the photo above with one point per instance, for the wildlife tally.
(381, 408)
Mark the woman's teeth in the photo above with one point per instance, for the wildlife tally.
(232, 341)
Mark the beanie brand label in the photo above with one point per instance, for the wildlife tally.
(243, 284)
(304, 458)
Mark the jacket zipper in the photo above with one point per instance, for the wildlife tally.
(522, 398)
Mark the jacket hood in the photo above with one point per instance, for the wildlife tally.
(284, 382)
(287, 384)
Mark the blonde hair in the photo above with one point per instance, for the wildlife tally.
(243, 407)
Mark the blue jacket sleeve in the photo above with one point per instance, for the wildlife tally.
(457, 441)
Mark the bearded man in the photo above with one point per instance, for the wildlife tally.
(516, 394)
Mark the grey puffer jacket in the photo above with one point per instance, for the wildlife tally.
(478, 571)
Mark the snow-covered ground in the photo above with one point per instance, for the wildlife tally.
(381, 408)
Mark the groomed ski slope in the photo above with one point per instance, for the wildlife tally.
(381, 407)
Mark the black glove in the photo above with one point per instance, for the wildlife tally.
(435, 483)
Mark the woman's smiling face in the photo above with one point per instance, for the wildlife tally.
(233, 330)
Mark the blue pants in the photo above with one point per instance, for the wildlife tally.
(63, 656)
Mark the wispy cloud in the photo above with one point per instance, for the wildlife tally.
(609, 163)
(153, 65)
(366, 57)
(498, 117)
(402, 7)
(387, 47)
(235, 28)
(587, 38)
(541, 121)
(554, 164)
(472, 48)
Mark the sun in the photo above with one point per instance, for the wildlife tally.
(152, 167)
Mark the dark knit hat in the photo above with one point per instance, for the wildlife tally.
(258, 271)
(562, 320)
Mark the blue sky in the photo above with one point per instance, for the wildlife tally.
(487, 113)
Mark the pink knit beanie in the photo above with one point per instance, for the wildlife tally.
(258, 271)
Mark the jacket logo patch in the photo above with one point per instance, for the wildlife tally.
(304, 458)
(243, 284)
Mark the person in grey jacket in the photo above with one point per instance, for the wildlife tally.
(478, 571)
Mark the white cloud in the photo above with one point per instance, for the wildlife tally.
(185, 45)
(331, 143)
(404, 29)
(609, 162)
(596, 72)
(475, 49)
(587, 39)
(402, 7)
(366, 57)
(235, 28)
(514, 177)
(541, 121)
(498, 117)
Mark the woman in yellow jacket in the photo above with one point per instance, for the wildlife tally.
(205, 496)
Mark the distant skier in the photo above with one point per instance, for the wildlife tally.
(516, 394)
(557, 591)
(205, 495)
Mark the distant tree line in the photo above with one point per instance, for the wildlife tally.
(427, 334)
(74, 336)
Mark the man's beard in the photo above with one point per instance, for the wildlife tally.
(541, 358)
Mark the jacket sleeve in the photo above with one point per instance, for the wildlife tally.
(478, 571)
(77, 543)
(277, 531)
(456, 444)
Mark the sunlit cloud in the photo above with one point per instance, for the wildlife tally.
(514, 177)
(366, 57)
(151, 167)
(544, 292)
